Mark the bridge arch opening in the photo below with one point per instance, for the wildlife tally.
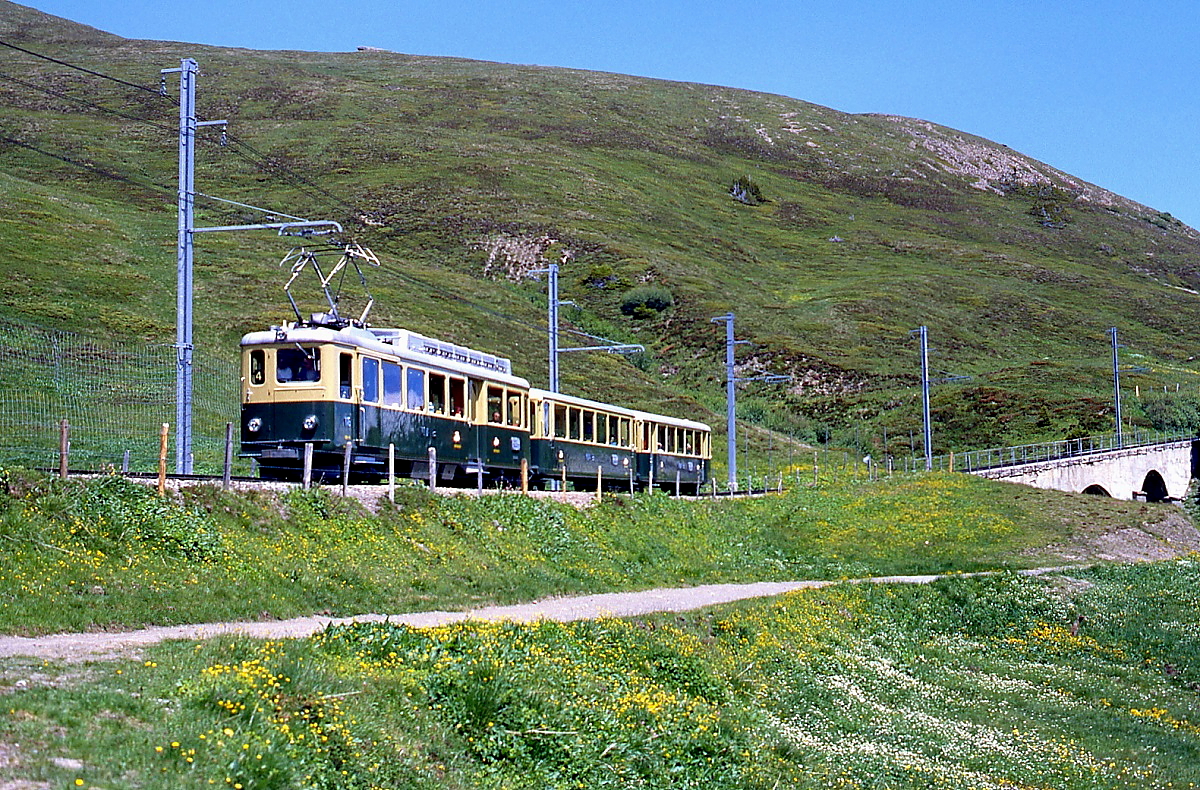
(1095, 489)
(1154, 487)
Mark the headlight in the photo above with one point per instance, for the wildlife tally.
(310, 422)
(254, 425)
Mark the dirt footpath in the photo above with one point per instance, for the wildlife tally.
(74, 648)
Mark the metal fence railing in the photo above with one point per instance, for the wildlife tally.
(114, 395)
(975, 460)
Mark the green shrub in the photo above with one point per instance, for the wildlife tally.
(646, 301)
(1173, 412)
(744, 190)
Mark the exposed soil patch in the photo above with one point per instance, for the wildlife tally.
(1172, 536)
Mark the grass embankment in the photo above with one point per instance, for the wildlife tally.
(1001, 681)
(111, 554)
(966, 683)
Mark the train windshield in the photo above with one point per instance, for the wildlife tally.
(297, 364)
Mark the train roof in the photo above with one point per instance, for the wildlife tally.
(573, 400)
(401, 343)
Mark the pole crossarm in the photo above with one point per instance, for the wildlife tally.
(305, 228)
(553, 303)
(768, 377)
(615, 348)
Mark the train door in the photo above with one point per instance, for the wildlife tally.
(368, 407)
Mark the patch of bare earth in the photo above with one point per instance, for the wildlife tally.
(1173, 535)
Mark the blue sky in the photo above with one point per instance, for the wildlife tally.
(1106, 90)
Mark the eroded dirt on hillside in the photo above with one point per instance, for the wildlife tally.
(1172, 535)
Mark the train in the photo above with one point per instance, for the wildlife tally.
(392, 401)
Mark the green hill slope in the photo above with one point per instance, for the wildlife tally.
(464, 175)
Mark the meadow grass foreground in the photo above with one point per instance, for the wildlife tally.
(965, 683)
(1085, 681)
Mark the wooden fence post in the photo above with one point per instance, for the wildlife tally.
(433, 469)
(306, 480)
(346, 468)
(226, 479)
(162, 457)
(64, 446)
(392, 473)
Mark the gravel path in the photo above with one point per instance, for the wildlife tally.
(94, 646)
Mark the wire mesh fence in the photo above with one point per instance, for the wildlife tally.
(115, 397)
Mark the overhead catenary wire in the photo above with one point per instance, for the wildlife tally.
(83, 69)
(238, 147)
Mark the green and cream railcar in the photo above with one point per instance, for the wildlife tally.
(581, 441)
(672, 452)
(368, 389)
(589, 443)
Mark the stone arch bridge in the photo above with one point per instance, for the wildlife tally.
(1156, 472)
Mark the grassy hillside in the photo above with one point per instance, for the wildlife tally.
(463, 175)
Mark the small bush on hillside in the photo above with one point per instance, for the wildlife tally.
(646, 301)
(1173, 412)
(744, 190)
(602, 276)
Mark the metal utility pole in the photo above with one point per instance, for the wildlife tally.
(188, 71)
(1116, 383)
(923, 333)
(731, 381)
(553, 322)
(552, 305)
(730, 401)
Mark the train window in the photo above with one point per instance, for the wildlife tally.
(601, 426)
(545, 419)
(661, 444)
(345, 375)
(458, 398)
(689, 442)
(589, 422)
(393, 390)
(560, 421)
(626, 441)
(437, 393)
(515, 409)
(575, 417)
(370, 373)
(258, 367)
(416, 389)
(297, 365)
(613, 431)
(495, 405)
